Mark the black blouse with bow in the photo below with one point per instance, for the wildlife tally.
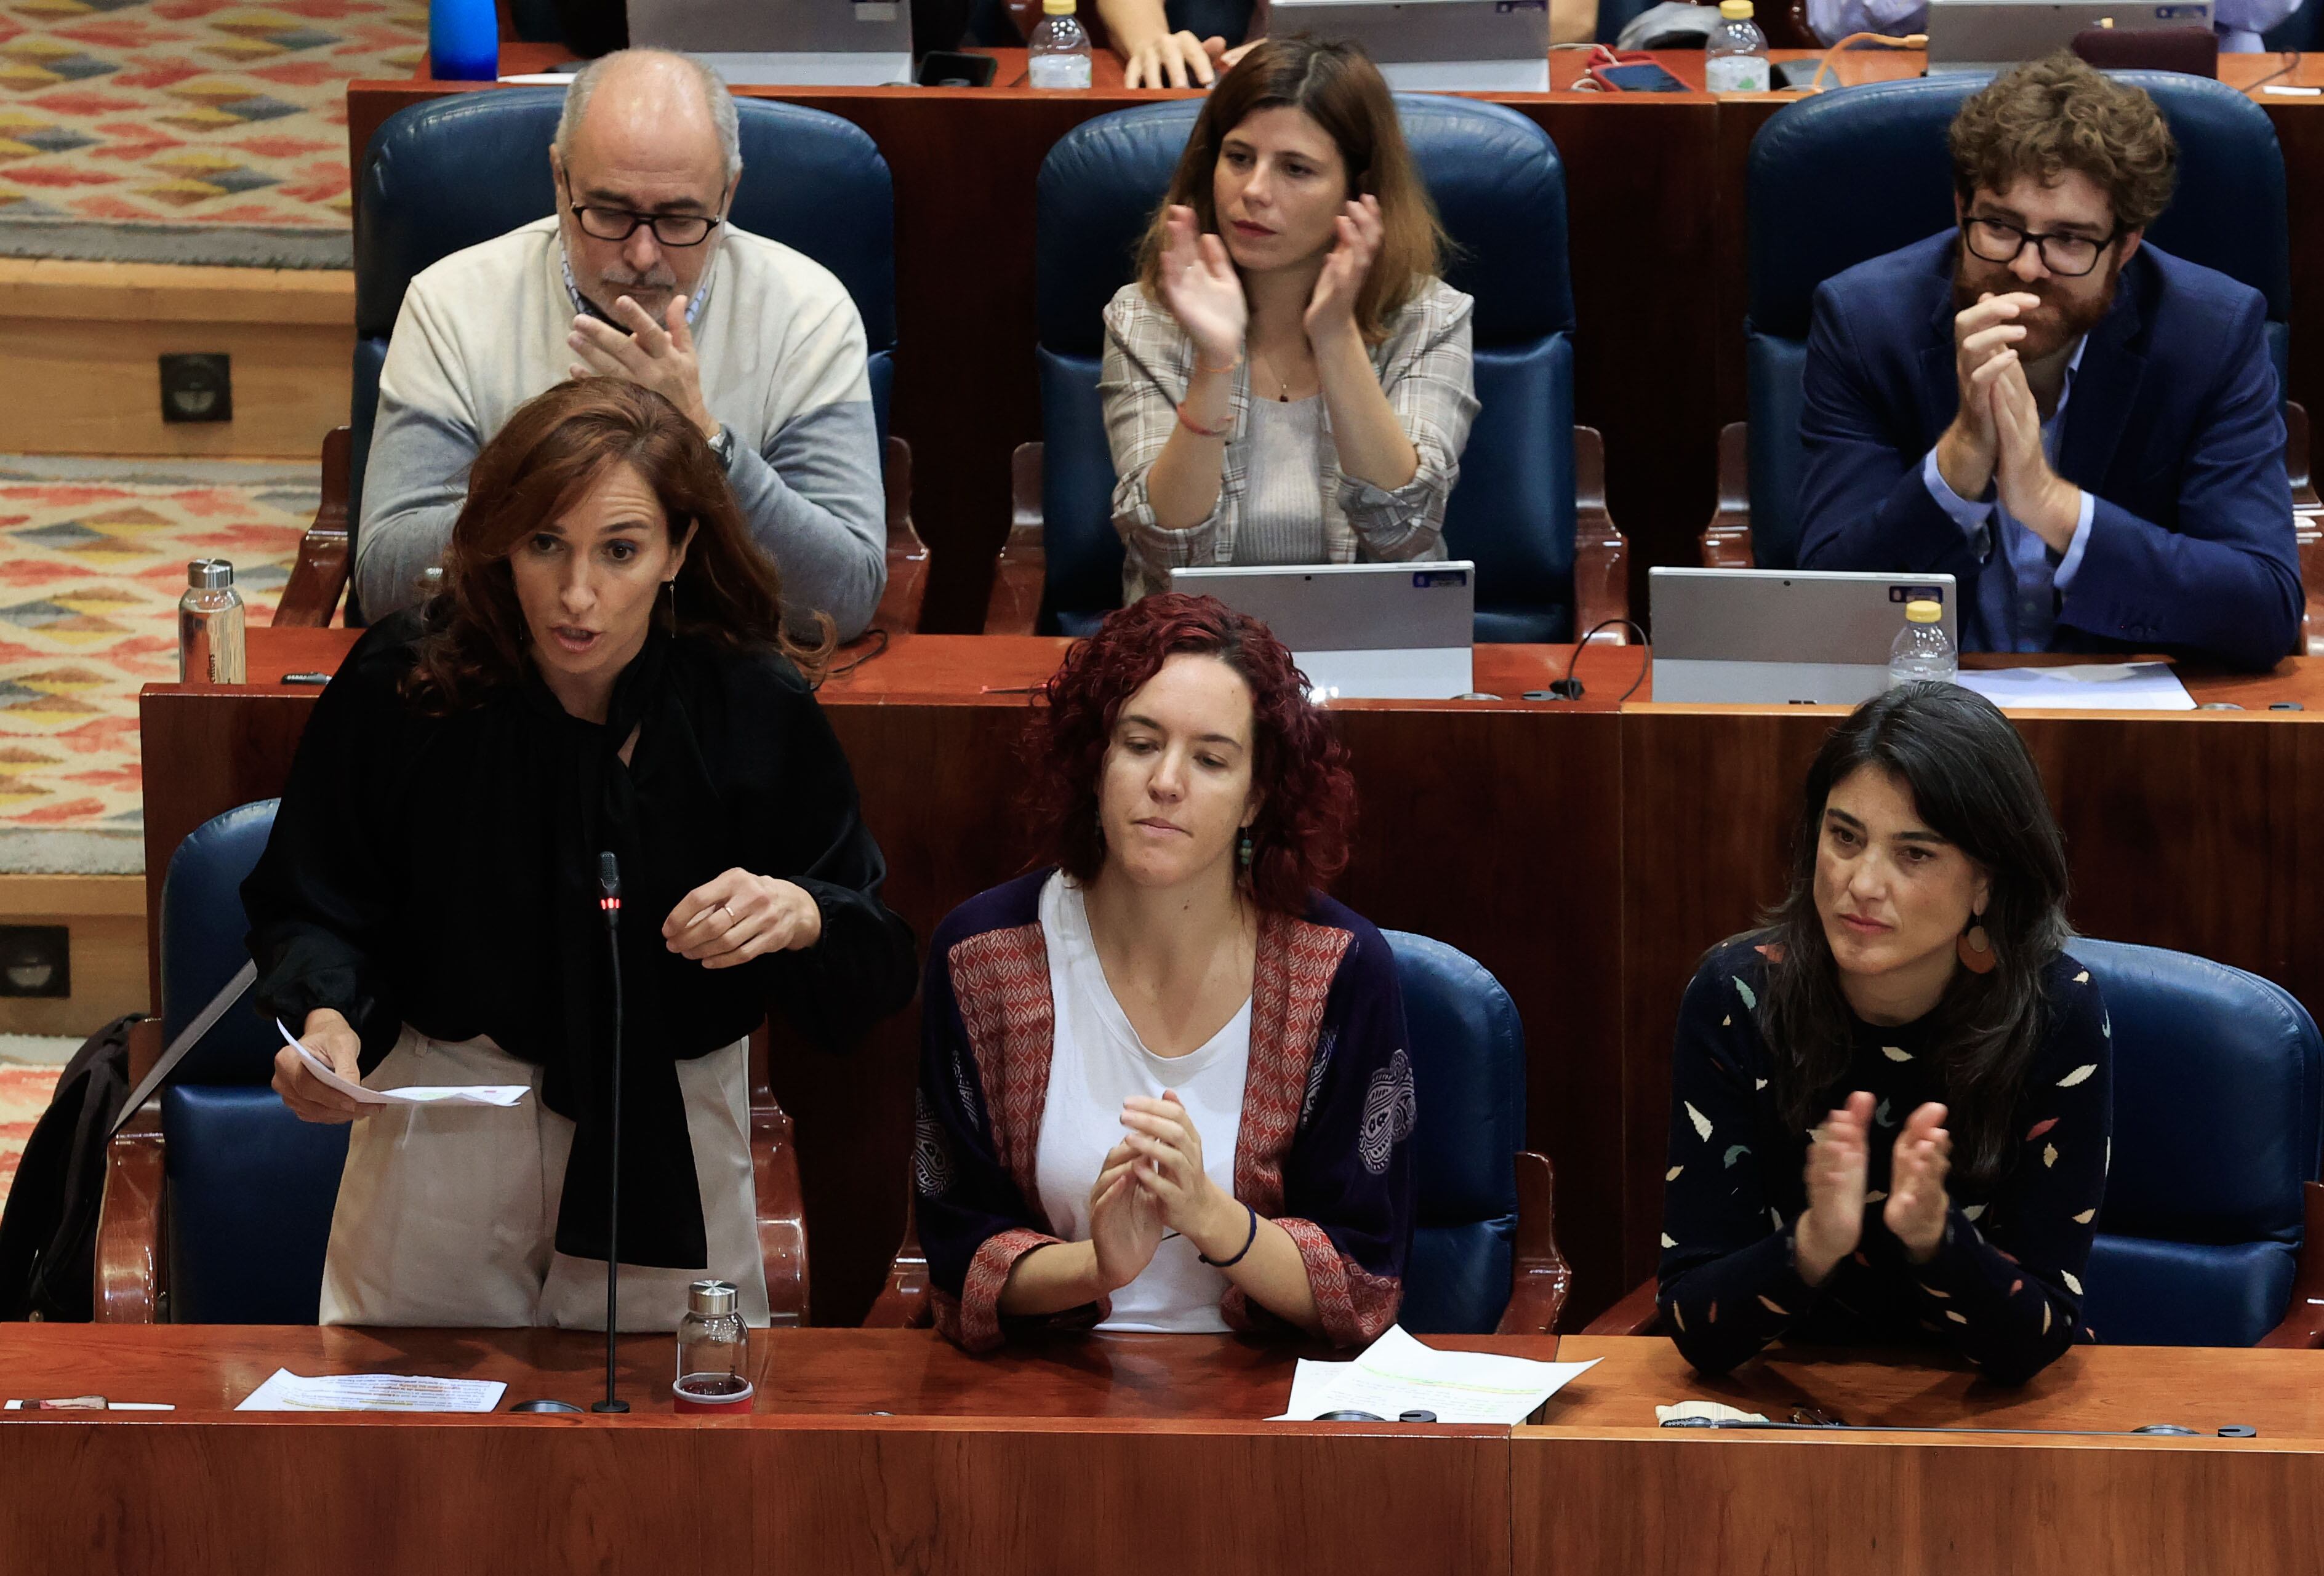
(442, 872)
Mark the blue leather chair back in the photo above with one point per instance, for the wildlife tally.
(453, 172)
(250, 1187)
(1883, 146)
(1500, 191)
(1468, 1071)
(2219, 1116)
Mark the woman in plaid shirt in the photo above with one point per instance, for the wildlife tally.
(1287, 380)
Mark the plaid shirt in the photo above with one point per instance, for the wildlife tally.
(1424, 364)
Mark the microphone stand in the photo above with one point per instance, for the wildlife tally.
(609, 899)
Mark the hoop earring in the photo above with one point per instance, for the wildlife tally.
(1975, 948)
(1243, 849)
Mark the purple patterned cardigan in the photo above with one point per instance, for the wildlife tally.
(1323, 1149)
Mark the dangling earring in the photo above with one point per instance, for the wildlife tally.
(1975, 948)
(670, 586)
(1243, 849)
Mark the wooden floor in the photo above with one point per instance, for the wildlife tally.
(80, 345)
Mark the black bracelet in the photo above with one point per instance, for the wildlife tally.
(1247, 1241)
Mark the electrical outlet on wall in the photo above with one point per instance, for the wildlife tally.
(197, 387)
(35, 960)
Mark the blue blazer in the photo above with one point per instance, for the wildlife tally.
(2173, 428)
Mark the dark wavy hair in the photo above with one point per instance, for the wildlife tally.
(1973, 784)
(545, 457)
(1307, 805)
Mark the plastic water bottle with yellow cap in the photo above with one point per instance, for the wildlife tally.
(1059, 53)
(1735, 55)
(1923, 652)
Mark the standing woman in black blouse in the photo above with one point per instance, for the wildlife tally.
(606, 670)
(1890, 1109)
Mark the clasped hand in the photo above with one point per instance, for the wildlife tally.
(1997, 435)
(1837, 1159)
(653, 355)
(1153, 1183)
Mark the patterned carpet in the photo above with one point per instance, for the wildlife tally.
(92, 561)
(24, 1095)
(187, 131)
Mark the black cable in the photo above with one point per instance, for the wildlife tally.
(610, 900)
(879, 637)
(1570, 688)
(2290, 58)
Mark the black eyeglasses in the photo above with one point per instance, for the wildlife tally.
(609, 223)
(2068, 256)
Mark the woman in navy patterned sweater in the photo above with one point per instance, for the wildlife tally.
(1163, 1085)
(1890, 1109)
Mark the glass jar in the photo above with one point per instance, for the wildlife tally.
(713, 1352)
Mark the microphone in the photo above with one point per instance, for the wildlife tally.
(609, 899)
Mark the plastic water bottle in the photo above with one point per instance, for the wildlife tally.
(1059, 53)
(1735, 55)
(463, 41)
(1923, 652)
(209, 625)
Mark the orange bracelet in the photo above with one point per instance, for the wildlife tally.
(1202, 365)
(1202, 431)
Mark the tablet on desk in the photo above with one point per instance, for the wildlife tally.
(1375, 631)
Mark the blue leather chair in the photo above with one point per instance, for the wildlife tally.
(1484, 1245)
(452, 173)
(1484, 1253)
(1528, 474)
(2219, 1133)
(2203, 1236)
(1883, 146)
(247, 1189)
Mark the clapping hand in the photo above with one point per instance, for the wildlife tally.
(1125, 1222)
(1837, 1162)
(2036, 496)
(1169, 1170)
(653, 355)
(1985, 344)
(1201, 290)
(1917, 1202)
(1332, 309)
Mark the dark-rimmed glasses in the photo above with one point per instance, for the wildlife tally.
(610, 224)
(1999, 241)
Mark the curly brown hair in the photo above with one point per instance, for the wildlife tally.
(1307, 796)
(2052, 115)
(549, 453)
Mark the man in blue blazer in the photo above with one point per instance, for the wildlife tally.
(2084, 430)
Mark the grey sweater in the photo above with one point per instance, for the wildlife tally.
(781, 351)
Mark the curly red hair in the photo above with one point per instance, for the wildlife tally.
(1308, 803)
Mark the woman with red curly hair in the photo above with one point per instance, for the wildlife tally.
(1163, 1083)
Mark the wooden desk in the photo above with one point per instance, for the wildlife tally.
(1654, 197)
(1129, 1453)
(1135, 1454)
(1601, 1489)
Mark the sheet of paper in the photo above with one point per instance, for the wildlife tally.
(540, 78)
(2086, 687)
(411, 1094)
(1396, 1374)
(285, 1391)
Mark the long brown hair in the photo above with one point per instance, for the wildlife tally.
(1974, 784)
(549, 453)
(1337, 87)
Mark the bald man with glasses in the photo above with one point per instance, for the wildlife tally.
(2083, 430)
(639, 275)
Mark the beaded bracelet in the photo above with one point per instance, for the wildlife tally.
(1247, 1241)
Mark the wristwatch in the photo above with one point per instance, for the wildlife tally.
(723, 446)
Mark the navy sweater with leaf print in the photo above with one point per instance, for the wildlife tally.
(2004, 1288)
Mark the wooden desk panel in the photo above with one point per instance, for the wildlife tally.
(1091, 1455)
(1600, 1489)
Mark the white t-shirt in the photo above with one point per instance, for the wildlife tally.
(1096, 1062)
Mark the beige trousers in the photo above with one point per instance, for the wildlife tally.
(448, 1215)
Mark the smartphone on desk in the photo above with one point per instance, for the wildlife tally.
(955, 68)
(1644, 77)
